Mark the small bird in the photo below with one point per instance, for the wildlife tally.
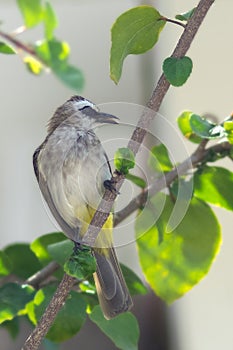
(72, 170)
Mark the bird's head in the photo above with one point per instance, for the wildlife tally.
(83, 112)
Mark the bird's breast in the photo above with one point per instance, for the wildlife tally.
(75, 166)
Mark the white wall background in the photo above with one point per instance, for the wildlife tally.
(202, 320)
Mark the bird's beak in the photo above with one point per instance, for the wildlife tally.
(106, 118)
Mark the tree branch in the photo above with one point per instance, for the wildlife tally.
(40, 276)
(106, 203)
(195, 159)
(57, 301)
(140, 131)
(19, 44)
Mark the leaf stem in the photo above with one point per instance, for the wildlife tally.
(173, 21)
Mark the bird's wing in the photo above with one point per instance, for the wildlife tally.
(71, 232)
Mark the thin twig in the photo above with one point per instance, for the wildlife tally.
(40, 276)
(19, 44)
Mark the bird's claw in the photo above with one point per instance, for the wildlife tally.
(110, 185)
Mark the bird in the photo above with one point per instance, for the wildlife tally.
(73, 170)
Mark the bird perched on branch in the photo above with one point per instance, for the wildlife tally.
(72, 170)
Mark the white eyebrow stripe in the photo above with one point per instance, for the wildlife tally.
(85, 103)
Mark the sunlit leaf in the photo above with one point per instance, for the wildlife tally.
(174, 262)
(13, 298)
(214, 185)
(55, 54)
(40, 246)
(184, 124)
(228, 126)
(159, 160)
(50, 21)
(134, 32)
(33, 65)
(32, 11)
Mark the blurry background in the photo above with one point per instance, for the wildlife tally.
(202, 320)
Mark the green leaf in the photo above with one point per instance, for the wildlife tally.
(185, 16)
(184, 124)
(133, 282)
(13, 298)
(174, 262)
(69, 319)
(33, 65)
(5, 264)
(228, 126)
(53, 51)
(70, 75)
(40, 246)
(32, 12)
(214, 185)
(24, 262)
(50, 21)
(134, 32)
(6, 49)
(205, 128)
(124, 160)
(159, 160)
(123, 330)
(61, 251)
(177, 70)
(87, 287)
(81, 263)
(138, 181)
(55, 54)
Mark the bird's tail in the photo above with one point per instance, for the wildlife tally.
(111, 288)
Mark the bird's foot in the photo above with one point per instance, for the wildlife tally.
(110, 185)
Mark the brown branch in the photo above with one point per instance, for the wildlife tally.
(40, 276)
(57, 301)
(18, 44)
(195, 159)
(106, 203)
(140, 131)
(198, 157)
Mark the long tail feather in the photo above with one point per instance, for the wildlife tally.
(111, 288)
